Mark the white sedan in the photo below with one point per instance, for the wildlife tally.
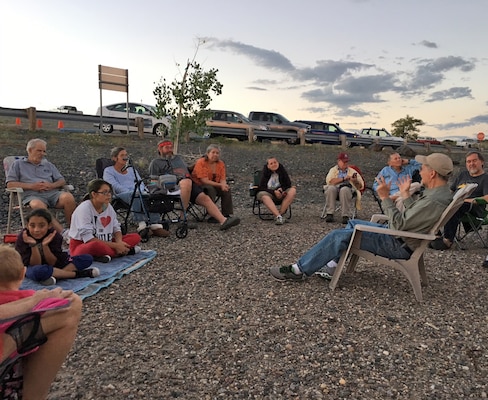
(156, 126)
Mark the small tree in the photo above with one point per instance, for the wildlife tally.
(186, 101)
(407, 127)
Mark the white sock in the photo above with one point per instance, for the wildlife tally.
(295, 269)
(142, 225)
(332, 264)
(156, 226)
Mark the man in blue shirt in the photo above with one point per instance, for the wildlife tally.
(398, 168)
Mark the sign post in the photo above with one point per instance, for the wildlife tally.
(116, 79)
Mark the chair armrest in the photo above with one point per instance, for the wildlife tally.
(394, 232)
(15, 190)
(379, 217)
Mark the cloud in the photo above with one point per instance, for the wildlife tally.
(431, 72)
(262, 57)
(256, 88)
(452, 93)
(479, 119)
(430, 45)
(328, 71)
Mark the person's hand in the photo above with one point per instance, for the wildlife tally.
(27, 239)
(404, 186)
(278, 193)
(54, 293)
(383, 188)
(41, 186)
(224, 187)
(121, 248)
(48, 239)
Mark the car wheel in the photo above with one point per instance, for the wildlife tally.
(123, 132)
(106, 128)
(160, 130)
(348, 144)
(256, 138)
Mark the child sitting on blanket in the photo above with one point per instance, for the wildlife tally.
(95, 229)
(40, 247)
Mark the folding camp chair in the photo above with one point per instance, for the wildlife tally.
(258, 208)
(16, 195)
(472, 224)
(363, 191)
(159, 200)
(413, 268)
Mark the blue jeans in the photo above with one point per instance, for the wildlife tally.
(336, 242)
(154, 218)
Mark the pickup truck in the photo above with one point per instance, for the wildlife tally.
(68, 110)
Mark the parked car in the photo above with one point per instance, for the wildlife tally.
(68, 110)
(431, 140)
(277, 122)
(231, 124)
(152, 124)
(327, 129)
(383, 135)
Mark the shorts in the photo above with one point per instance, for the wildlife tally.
(263, 193)
(195, 192)
(49, 198)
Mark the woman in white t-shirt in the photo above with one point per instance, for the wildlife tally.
(95, 229)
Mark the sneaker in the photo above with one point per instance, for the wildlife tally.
(279, 220)
(134, 250)
(329, 218)
(212, 220)
(326, 273)
(345, 219)
(229, 223)
(49, 281)
(88, 273)
(103, 259)
(285, 273)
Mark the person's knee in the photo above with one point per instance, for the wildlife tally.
(65, 199)
(37, 203)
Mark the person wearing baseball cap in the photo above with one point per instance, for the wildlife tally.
(342, 183)
(474, 173)
(172, 164)
(419, 216)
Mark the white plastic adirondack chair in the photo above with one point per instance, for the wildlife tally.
(413, 268)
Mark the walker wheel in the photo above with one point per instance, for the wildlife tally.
(182, 231)
(144, 234)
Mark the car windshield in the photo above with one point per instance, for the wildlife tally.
(283, 119)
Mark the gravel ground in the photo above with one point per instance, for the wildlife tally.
(205, 321)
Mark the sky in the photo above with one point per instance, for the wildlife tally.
(359, 63)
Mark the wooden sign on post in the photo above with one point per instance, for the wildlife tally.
(116, 79)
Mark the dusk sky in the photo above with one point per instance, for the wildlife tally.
(361, 63)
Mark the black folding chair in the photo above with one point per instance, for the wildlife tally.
(258, 208)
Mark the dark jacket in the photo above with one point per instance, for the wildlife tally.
(285, 181)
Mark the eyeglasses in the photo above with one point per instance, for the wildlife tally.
(105, 193)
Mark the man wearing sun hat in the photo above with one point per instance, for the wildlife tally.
(419, 216)
(342, 183)
(169, 163)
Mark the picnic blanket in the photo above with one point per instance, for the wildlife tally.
(109, 272)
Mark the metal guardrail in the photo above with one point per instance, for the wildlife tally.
(54, 115)
(240, 134)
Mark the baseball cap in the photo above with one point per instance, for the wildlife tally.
(439, 162)
(343, 157)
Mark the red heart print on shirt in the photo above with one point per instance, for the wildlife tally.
(105, 220)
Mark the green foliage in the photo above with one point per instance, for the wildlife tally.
(186, 101)
(407, 127)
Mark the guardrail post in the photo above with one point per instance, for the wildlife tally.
(343, 141)
(250, 134)
(31, 115)
(301, 137)
(140, 126)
